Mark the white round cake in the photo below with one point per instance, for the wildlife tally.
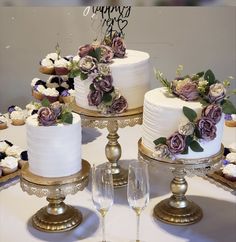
(54, 151)
(131, 75)
(162, 115)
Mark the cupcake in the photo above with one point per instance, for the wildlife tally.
(54, 81)
(62, 66)
(2, 155)
(14, 151)
(68, 96)
(9, 165)
(230, 120)
(47, 66)
(3, 122)
(37, 92)
(17, 118)
(229, 172)
(13, 108)
(51, 94)
(231, 158)
(23, 159)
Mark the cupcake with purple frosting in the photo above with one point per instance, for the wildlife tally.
(68, 96)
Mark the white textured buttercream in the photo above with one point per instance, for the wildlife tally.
(130, 75)
(9, 162)
(47, 63)
(17, 115)
(162, 115)
(61, 63)
(50, 92)
(54, 151)
(14, 151)
(33, 82)
(3, 146)
(230, 170)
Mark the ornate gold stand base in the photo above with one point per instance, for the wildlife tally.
(120, 179)
(46, 222)
(164, 212)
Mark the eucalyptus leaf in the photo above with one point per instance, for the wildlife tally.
(188, 140)
(228, 107)
(106, 98)
(185, 151)
(67, 118)
(190, 114)
(45, 102)
(210, 77)
(161, 140)
(200, 74)
(195, 146)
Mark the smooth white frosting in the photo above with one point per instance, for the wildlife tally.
(33, 82)
(14, 151)
(54, 56)
(17, 115)
(3, 146)
(50, 92)
(131, 75)
(229, 170)
(231, 157)
(54, 151)
(61, 63)
(3, 119)
(162, 115)
(9, 162)
(47, 63)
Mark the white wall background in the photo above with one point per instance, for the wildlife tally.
(199, 38)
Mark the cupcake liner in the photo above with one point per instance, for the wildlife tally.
(68, 99)
(61, 71)
(37, 95)
(51, 99)
(7, 171)
(47, 70)
(3, 126)
(230, 123)
(230, 178)
(17, 122)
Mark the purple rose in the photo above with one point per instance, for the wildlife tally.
(56, 108)
(103, 83)
(95, 97)
(119, 105)
(176, 143)
(216, 93)
(206, 128)
(88, 64)
(118, 47)
(212, 111)
(186, 89)
(106, 54)
(84, 50)
(46, 117)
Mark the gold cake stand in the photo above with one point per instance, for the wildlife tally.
(56, 216)
(178, 210)
(93, 119)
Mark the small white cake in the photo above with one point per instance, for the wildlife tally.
(162, 116)
(131, 76)
(54, 151)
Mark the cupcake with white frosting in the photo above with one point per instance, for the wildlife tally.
(3, 146)
(47, 66)
(32, 108)
(3, 122)
(54, 81)
(62, 66)
(231, 158)
(17, 117)
(9, 165)
(14, 151)
(51, 94)
(230, 120)
(229, 172)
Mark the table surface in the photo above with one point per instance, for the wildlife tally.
(218, 204)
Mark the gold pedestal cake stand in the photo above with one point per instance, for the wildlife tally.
(56, 216)
(177, 209)
(93, 119)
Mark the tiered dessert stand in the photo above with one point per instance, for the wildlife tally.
(177, 209)
(56, 216)
(94, 119)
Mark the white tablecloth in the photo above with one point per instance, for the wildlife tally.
(218, 205)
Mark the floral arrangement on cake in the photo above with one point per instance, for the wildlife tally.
(49, 114)
(211, 93)
(93, 62)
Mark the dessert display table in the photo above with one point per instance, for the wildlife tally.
(56, 216)
(218, 204)
(94, 119)
(177, 209)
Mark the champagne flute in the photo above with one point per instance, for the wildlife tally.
(138, 189)
(102, 191)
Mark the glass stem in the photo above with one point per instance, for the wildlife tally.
(103, 229)
(137, 232)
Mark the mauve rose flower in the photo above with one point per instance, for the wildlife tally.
(104, 69)
(186, 129)
(119, 105)
(88, 64)
(118, 47)
(56, 107)
(212, 111)
(84, 50)
(103, 83)
(46, 117)
(95, 97)
(106, 54)
(186, 89)
(176, 143)
(216, 93)
(206, 128)
(162, 151)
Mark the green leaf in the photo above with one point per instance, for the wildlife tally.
(200, 74)
(185, 151)
(74, 73)
(95, 53)
(67, 118)
(189, 113)
(210, 77)
(161, 140)
(45, 102)
(197, 133)
(106, 98)
(83, 76)
(195, 146)
(91, 87)
(228, 107)
(204, 102)
(188, 140)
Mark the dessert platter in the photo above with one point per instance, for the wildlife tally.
(182, 129)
